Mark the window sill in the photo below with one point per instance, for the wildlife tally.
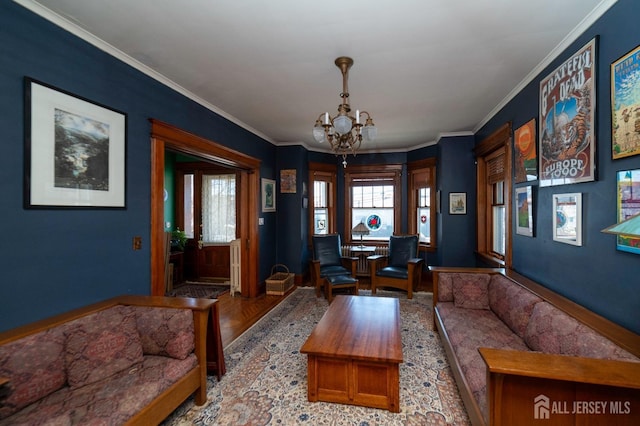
(490, 260)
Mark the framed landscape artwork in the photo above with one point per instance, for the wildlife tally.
(625, 105)
(567, 120)
(75, 151)
(268, 195)
(524, 211)
(288, 181)
(526, 161)
(567, 222)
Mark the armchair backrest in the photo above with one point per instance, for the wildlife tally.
(326, 249)
(401, 249)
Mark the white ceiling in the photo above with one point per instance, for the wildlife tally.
(423, 68)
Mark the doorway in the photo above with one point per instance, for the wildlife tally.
(165, 136)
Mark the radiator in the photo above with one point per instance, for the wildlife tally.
(362, 265)
(235, 267)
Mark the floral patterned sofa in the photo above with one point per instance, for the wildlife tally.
(511, 341)
(127, 360)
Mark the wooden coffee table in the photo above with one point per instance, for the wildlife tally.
(354, 353)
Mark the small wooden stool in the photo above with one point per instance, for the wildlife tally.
(338, 282)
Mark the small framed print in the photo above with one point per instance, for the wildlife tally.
(457, 203)
(268, 195)
(524, 211)
(567, 222)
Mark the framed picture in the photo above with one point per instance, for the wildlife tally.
(457, 203)
(524, 211)
(567, 223)
(628, 203)
(288, 181)
(625, 105)
(567, 120)
(75, 151)
(268, 195)
(526, 161)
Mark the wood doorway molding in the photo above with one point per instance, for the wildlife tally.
(164, 136)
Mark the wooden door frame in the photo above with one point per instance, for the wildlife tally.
(165, 136)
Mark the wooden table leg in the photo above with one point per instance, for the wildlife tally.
(215, 354)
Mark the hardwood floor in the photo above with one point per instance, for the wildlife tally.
(237, 314)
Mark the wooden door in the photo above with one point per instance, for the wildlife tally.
(214, 261)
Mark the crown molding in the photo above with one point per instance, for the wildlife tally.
(592, 17)
(85, 35)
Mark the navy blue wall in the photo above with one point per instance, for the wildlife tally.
(456, 172)
(595, 275)
(55, 260)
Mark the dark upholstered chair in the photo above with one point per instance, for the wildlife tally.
(401, 268)
(328, 260)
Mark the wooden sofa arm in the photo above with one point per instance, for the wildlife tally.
(562, 367)
(524, 387)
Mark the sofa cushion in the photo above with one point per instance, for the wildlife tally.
(109, 402)
(101, 344)
(470, 329)
(35, 366)
(165, 331)
(511, 302)
(445, 286)
(471, 291)
(550, 330)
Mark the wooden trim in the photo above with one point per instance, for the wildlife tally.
(165, 136)
(493, 141)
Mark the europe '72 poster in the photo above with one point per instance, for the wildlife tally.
(567, 120)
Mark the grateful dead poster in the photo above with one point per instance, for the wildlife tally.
(567, 120)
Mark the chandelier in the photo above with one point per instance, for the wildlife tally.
(345, 131)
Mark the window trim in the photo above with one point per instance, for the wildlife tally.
(392, 171)
(414, 168)
(497, 143)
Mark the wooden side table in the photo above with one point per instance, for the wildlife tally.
(361, 253)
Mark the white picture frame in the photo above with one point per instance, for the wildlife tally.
(457, 203)
(567, 218)
(524, 211)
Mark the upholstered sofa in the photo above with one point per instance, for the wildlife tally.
(127, 360)
(516, 347)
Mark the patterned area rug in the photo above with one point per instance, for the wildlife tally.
(202, 291)
(266, 380)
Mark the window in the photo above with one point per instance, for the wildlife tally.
(218, 208)
(422, 202)
(322, 216)
(494, 189)
(373, 198)
(206, 202)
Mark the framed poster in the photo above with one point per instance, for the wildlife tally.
(457, 203)
(628, 189)
(268, 195)
(567, 222)
(625, 105)
(75, 151)
(567, 120)
(288, 181)
(524, 211)
(526, 161)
